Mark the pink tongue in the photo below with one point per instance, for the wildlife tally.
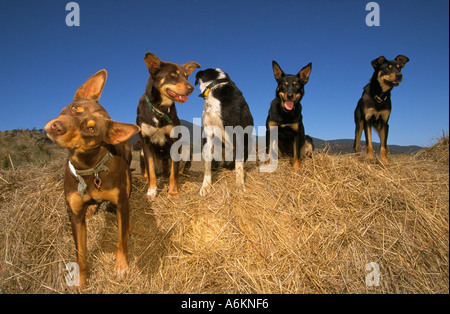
(181, 98)
(289, 105)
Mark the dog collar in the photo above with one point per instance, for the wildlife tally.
(158, 113)
(379, 99)
(211, 86)
(79, 174)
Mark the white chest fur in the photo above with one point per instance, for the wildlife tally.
(156, 135)
(212, 117)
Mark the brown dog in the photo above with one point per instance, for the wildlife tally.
(157, 115)
(98, 168)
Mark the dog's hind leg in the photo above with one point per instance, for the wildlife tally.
(359, 127)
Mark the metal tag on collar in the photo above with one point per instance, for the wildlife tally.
(98, 182)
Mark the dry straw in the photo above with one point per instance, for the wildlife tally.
(312, 231)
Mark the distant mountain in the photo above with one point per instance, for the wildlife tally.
(345, 146)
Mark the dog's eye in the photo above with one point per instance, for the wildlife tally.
(390, 66)
(294, 83)
(91, 129)
(74, 108)
(173, 74)
(398, 66)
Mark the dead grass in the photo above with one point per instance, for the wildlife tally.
(308, 232)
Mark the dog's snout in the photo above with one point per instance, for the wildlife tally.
(57, 128)
(399, 76)
(190, 88)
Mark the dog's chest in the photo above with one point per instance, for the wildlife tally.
(156, 135)
(372, 113)
(212, 112)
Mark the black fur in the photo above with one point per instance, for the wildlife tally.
(234, 110)
(374, 107)
(286, 113)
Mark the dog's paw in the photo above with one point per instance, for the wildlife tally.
(240, 189)
(173, 192)
(121, 271)
(206, 186)
(151, 195)
(205, 190)
(297, 165)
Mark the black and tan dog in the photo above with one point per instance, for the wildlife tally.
(157, 116)
(374, 107)
(98, 168)
(286, 113)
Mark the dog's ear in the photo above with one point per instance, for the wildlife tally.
(92, 88)
(197, 77)
(190, 67)
(402, 60)
(305, 73)
(120, 132)
(152, 62)
(277, 71)
(378, 62)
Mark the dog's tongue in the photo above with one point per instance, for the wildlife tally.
(289, 105)
(181, 98)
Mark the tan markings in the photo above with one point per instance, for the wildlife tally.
(76, 202)
(80, 109)
(91, 123)
(390, 77)
(107, 195)
(293, 126)
(372, 112)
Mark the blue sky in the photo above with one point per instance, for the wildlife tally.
(44, 61)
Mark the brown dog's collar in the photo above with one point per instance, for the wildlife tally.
(158, 113)
(379, 99)
(79, 174)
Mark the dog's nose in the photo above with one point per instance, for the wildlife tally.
(57, 128)
(398, 76)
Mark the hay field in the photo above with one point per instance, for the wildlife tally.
(308, 232)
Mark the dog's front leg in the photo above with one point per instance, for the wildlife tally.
(123, 223)
(368, 135)
(79, 232)
(299, 142)
(150, 159)
(383, 134)
(173, 180)
(207, 155)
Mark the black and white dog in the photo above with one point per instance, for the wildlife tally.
(226, 118)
